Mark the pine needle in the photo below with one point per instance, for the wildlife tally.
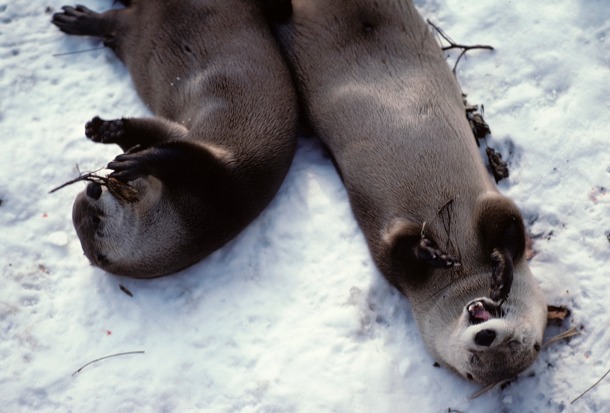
(566, 334)
(107, 357)
(591, 388)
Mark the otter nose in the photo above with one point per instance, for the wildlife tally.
(94, 190)
(485, 337)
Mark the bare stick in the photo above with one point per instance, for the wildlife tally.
(591, 388)
(566, 334)
(107, 357)
(125, 290)
(118, 188)
(485, 390)
(454, 45)
(78, 51)
(81, 177)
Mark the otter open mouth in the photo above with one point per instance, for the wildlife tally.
(481, 310)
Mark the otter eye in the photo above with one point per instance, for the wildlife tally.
(367, 27)
(102, 259)
(537, 347)
(469, 376)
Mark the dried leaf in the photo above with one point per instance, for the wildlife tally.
(122, 190)
(557, 314)
(499, 168)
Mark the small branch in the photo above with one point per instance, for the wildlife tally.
(81, 177)
(486, 389)
(441, 32)
(566, 334)
(454, 45)
(77, 52)
(107, 357)
(119, 189)
(591, 388)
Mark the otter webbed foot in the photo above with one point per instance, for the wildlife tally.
(410, 253)
(131, 166)
(502, 274)
(502, 236)
(428, 252)
(82, 21)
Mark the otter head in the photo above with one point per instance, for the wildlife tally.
(138, 239)
(488, 342)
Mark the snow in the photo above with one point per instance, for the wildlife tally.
(292, 316)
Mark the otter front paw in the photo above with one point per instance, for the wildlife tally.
(130, 166)
(104, 131)
(427, 251)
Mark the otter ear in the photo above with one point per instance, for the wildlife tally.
(502, 235)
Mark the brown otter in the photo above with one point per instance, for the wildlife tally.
(377, 91)
(218, 148)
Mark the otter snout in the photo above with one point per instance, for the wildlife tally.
(94, 190)
(86, 217)
(485, 337)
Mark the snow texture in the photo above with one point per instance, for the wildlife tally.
(293, 316)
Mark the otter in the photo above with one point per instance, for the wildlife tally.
(219, 145)
(377, 91)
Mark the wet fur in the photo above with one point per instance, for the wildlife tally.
(220, 143)
(378, 92)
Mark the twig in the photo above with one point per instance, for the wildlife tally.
(454, 45)
(591, 388)
(125, 290)
(566, 334)
(485, 390)
(107, 357)
(426, 223)
(78, 51)
(118, 188)
(81, 177)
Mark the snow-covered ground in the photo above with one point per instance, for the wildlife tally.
(292, 316)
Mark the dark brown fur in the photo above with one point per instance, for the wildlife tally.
(219, 146)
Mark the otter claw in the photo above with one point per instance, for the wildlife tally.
(502, 275)
(427, 251)
(128, 167)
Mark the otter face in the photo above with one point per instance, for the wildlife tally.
(135, 239)
(491, 343)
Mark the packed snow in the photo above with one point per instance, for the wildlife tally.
(293, 316)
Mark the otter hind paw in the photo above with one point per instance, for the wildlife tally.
(79, 20)
(427, 251)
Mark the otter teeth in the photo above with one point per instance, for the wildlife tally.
(478, 313)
